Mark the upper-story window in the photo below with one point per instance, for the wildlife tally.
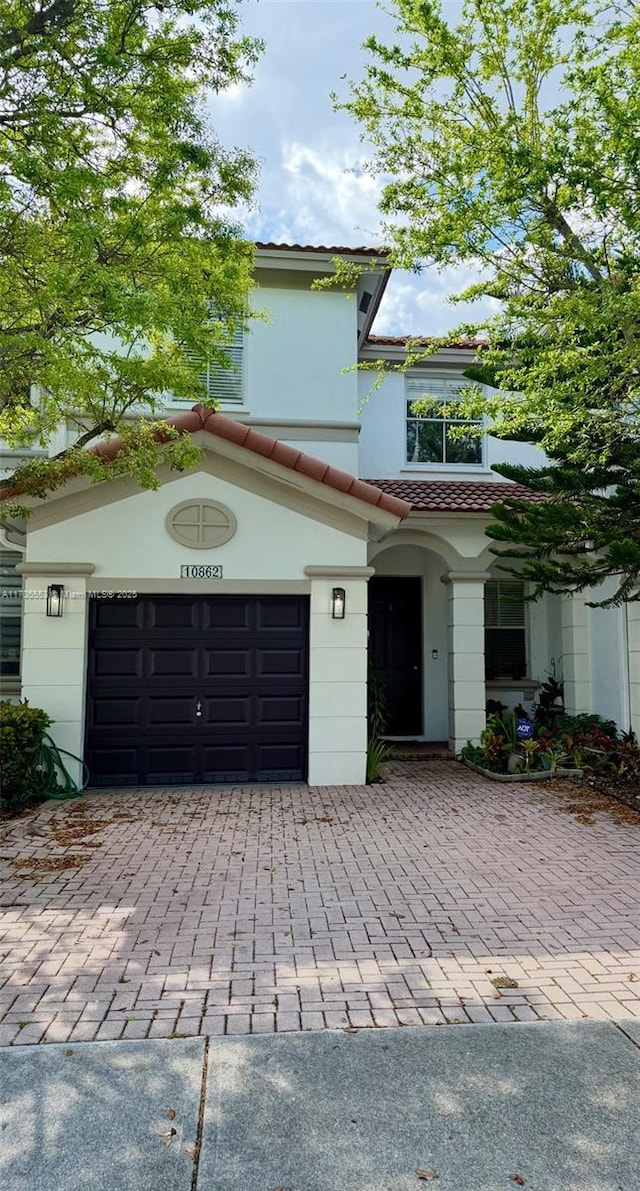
(429, 437)
(224, 386)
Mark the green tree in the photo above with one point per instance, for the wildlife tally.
(114, 242)
(510, 143)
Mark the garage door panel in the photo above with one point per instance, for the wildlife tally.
(226, 763)
(170, 763)
(176, 711)
(154, 661)
(118, 614)
(285, 709)
(227, 711)
(118, 662)
(173, 614)
(283, 614)
(277, 662)
(115, 766)
(116, 711)
(278, 762)
(226, 663)
(232, 615)
(169, 662)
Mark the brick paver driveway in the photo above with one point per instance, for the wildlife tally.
(230, 910)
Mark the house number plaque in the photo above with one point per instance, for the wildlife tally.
(187, 571)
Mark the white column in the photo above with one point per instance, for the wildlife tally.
(338, 678)
(54, 651)
(576, 667)
(633, 638)
(467, 697)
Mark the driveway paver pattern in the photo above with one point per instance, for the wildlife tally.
(235, 910)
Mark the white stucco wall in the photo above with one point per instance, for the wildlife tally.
(343, 455)
(294, 362)
(298, 363)
(127, 538)
(338, 684)
(609, 664)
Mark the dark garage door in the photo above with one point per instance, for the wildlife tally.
(204, 689)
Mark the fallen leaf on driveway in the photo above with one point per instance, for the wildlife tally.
(51, 864)
(167, 1132)
(504, 982)
(427, 1176)
(171, 1112)
(517, 1178)
(632, 976)
(349, 1029)
(69, 1051)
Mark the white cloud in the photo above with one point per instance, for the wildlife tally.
(419, 305)
(235, 93)
(312, 188)
(331, 200)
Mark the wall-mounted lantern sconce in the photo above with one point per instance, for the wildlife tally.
(55, 599)
(338, 601)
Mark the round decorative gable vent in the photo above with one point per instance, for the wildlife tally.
(201, 524)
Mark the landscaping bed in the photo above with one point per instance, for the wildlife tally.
(537, 775)
(516, 748)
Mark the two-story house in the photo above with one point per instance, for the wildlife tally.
(220, 628)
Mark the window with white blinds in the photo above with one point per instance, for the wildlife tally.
(10, 614)
(224, 385)
(505, 629)
(429, 438)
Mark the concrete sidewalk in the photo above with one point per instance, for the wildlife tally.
(547, 1106)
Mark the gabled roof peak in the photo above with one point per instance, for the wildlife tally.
(200, 417)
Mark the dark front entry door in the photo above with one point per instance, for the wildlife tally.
(395, 649)
(197, 689)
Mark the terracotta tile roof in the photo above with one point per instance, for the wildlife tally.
(420, 341)
(453, 496)
(201, 418)
(337, 250)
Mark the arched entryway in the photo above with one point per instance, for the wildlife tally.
(408, 638)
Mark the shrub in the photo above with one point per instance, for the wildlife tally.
(376, 703)
(588, 741)
(22, 729)
(472, 752)
(586, 725)
(626, 759)
(378, 751)
(550, 705)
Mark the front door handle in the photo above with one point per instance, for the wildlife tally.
(198, 708)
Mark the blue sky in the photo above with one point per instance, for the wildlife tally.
(310, 190)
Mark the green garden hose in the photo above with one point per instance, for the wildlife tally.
(55, 777)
